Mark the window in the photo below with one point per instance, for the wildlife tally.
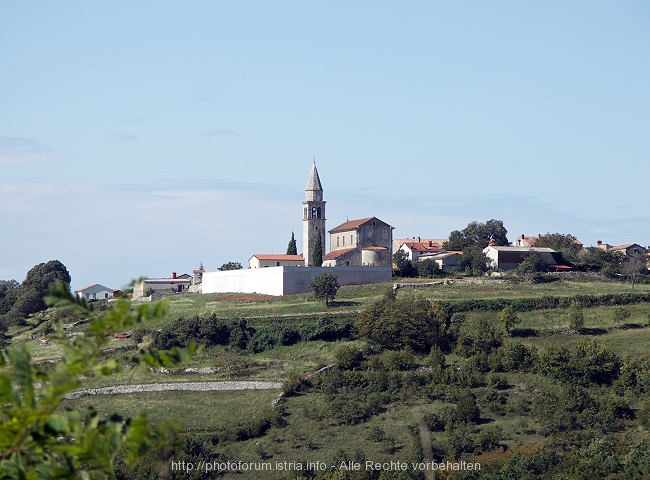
(313, 212)
(278, 264)
(318, 212)
(337, 241)
(344, 241)
(351, 239)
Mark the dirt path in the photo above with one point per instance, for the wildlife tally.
(427, 448)
(179, 386)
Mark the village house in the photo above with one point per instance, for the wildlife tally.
(630, 250)
(446, 260)
(174, 284)
(95, 292)
(414, 250)
(275, 260)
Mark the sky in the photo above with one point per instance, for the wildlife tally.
(142, 138)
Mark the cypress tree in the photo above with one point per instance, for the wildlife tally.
(292, 249)
(317, 254)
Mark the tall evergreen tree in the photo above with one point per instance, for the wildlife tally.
(317, 254)
(292, 249)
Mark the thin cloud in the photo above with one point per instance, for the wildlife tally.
(23, 150)
(219, 132)
(127, 137)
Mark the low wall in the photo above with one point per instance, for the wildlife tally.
(288, 280)
(253, 280)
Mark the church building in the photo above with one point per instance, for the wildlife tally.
(361, 253)
(355, 243)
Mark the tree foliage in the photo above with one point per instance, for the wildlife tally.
(317, 254)
(403, 266)
(480, 234)
(634, 269)
(40, 440)
(230, 266)
(566, 244)
(292, 248)
(473, 260)
(406, 322)
(508, 318)
(21, 301)
(325, 286)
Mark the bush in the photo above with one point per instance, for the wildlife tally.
(399, 360)
(348, 357)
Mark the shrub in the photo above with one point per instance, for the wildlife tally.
(348, 357)
(399, 360)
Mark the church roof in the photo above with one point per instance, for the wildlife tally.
(353, 224)
(314, 181)
(337, 253)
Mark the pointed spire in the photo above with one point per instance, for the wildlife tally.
(314, 180)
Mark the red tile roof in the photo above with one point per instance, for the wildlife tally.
(351, 224)
(86, 288)
(354, 224)
(276, 256)
(337, 253)
(423, 247)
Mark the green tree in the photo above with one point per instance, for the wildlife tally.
(508, 318)
(405, 322)
(634, 269)
(230, 266)
(576, 316)
(403, 266)
(566, 244)
(473, 260)
(428, 268)
(38, 439)
(531, 264)
(21, 301)
(317, 254)
(292, 248)
(480, 234)
(325, 286)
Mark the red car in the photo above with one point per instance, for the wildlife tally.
(122, 335)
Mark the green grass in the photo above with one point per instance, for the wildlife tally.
(201, 412)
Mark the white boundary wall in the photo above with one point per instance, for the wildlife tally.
(287, 280)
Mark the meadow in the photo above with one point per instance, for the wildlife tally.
(380, 409)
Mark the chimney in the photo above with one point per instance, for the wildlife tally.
(522, 236)
(430, 243)
(173, 274)
(418, 239)
(599, 242)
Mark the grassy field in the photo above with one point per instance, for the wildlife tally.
(308, 431)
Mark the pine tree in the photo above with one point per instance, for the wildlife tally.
(292, 249)
(317, 254)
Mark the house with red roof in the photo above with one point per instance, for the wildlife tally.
(275, 260)
(414, 250)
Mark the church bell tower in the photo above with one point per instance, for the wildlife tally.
(313, 217)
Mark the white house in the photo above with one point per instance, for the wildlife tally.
(414, 250)
(95, 292)
(275, 260)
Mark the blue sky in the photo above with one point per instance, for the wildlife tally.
(141, 138)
